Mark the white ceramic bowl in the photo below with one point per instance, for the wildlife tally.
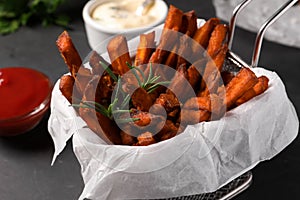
(97, 34)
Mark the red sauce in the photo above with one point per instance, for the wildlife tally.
(21, 91)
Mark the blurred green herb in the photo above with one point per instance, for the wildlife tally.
(150, 84)
(17, 13)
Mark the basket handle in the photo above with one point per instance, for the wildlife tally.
(262, 30)
(232, 22)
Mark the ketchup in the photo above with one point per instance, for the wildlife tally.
(22, 90)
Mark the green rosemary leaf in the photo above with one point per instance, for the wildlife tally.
(127, 120)
(111, 107)
(108, 70)
(120, 111)
(151, 90)
(141, 72)
(125, 101)
(118, 87)
(156, 85)
(134, 73)
(155, 78)
(150, 75)
(90, 106)
(97, 106)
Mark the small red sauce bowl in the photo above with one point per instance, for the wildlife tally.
(25, 96)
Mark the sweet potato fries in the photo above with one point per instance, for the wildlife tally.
(135, 100)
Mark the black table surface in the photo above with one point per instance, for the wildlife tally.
(25, 170)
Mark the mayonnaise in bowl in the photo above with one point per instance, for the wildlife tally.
(104, 19)
(122, 14)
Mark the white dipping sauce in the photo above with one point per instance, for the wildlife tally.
(121, 14)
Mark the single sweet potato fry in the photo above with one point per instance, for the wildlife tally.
(203, 33)
(95, 62)
(216, 40)
(173, 19)
(118, 52)
(195, 72)
(69, 52)
(172, 57)
(257, 89)
(198, 103)
(211, 78)
(145, 139)
(211, 103)
(180, 86)
(236, 88)
(82, 78)
(145, 49)
(189, 23)
(193, 116)
(168, 37)
(182, 50)
(66, 85)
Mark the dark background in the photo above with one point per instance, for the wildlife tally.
(25, 171)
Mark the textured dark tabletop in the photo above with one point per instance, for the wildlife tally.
(25, 171)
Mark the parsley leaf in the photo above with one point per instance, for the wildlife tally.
(17, 13)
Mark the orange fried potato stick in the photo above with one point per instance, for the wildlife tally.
(259, 88)
(66, 85)
(189, 23)
(211, 103)
(173, 23)
(236, 88)
(195, 72)
(145, 139)
(118, 52)
(95, 61)
(73, 61)
(202, 35)
(216, 40)
(211, 78)
(194, 116)
(145, 49)
(188, 28)
(69, 52)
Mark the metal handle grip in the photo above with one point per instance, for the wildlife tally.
(262, 30)
(232, 23)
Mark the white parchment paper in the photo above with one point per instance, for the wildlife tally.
(202, 159)
(286, 30)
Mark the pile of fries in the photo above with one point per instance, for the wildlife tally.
(134, 101)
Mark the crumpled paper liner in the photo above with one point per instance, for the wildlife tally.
(202, 159)
(286, 30)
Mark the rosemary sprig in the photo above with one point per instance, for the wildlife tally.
(93, 105)
(125, 101)
(108, 70)
(150, 84)
(150, 75)
(112, 112)
(109, 112)
(134, 73)
(156, 85)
